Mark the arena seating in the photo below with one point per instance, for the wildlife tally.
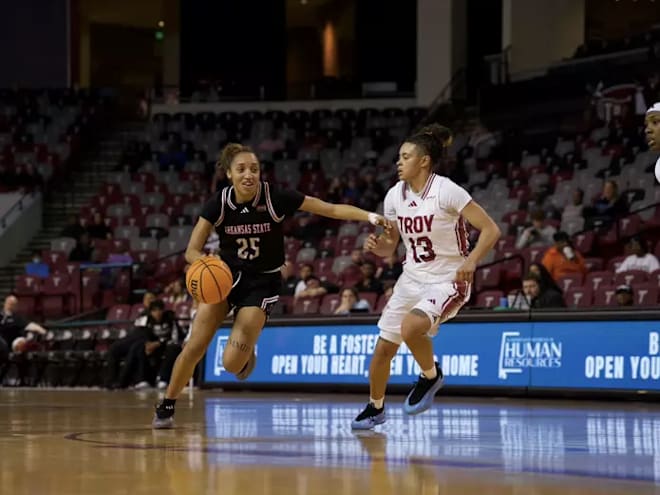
(154, 198)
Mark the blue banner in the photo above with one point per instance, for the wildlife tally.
(620, 355)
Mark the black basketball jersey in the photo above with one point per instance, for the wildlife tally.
(251, 238)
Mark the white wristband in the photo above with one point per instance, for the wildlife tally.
(373, 219)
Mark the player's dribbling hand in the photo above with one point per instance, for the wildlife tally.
(370, 242)
(465, 272)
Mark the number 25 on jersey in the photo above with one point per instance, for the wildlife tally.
(248, 249)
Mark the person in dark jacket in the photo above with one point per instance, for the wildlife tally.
(152, 357)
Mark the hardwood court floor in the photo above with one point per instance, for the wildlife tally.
(95, 442)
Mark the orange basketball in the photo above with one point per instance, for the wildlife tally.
(209, 280)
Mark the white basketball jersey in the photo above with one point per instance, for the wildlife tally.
(431, 227)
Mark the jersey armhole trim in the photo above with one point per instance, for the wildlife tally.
(269, 204)
(222, 207)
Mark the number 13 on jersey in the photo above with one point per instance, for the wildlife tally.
(248, 249)
(422, 249)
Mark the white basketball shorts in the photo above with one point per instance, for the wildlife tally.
(440, 301)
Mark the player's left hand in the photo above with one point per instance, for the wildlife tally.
(465, 272)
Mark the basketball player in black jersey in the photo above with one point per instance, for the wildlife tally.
(248, 218)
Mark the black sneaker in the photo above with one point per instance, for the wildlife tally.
(164, 417)
(369, 418)
(421, 396)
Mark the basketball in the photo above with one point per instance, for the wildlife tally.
(209, 280)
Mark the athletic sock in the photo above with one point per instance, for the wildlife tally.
(431, 373)
(378, 403)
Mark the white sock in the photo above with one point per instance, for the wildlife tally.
(378, 403)
(430, 374)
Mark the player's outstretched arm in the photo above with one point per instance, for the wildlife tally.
(200, 234)
(314, 205)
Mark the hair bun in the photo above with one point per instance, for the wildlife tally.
(440, 133)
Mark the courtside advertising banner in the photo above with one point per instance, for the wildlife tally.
(617, 355)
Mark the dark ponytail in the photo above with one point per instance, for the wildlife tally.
(432, 139)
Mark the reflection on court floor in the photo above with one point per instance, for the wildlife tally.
(101, 443)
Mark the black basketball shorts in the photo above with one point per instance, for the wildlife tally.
(255, 289)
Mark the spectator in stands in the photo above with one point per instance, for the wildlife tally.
(147, 299)
(153, 356)
(13, 326)
(313, 288)
(176, 293)
(289, 280)
(537, 296)
(537, 234)
(121, 347)
(639, 258)
(624, 296)
(306, 271)
(37, 267)
(74, 228)
(98, 229)
(573, 211)
(562, 258)
(369, 283)
(391, 268)
(84, 251)
(351, 303)
(609, 206)
(544, 277)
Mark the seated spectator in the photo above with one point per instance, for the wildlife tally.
(306, 271)
(573, 211)
(351, 303)
(543, 276)
(391, 268)
(147, 299)
(176, 293)
(74, 228)
(313, 288)
(289, 280)
(562, 258)
(537, 234)
(369, 283)
(608, 207)
(624, 296)
(151, 357)
(98, 229)
(535, 295)
(639, 259)
(13, 326)
(37, 268)
(84, 251)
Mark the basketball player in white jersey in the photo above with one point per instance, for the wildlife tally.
(653, 133)
(429, 213)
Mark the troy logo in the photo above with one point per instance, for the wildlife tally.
(415, 225)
